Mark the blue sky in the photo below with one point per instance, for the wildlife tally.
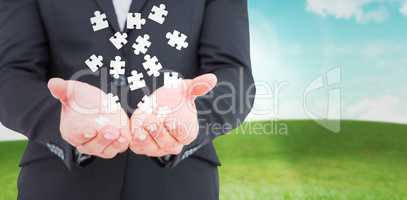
(296, 41)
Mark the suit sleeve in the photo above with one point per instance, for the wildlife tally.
(26, 105)
(225, 51)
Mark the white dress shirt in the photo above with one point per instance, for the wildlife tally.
(121, 7)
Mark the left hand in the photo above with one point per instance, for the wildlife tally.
(88, 121)
(172, 121)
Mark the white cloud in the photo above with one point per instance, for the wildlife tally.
(268, 54)
(348, 9)
(378, 15)
(403, 8)
(386, 108)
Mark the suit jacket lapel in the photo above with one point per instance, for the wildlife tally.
(106, 6)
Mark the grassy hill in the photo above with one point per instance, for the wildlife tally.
(293, 160)
(10, 153)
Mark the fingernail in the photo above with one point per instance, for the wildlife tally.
(152, 128)
(142, 136)
(122, 140)
(171, 125)
(110, 135)
(89, 135)
(102, 121)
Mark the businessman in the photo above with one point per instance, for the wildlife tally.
(128, 152)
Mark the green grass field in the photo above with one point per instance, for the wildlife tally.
(364, 161)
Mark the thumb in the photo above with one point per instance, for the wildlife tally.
(202, 84)
(58, 88)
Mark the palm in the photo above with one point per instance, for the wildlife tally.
(90, 120)
(92, 107)
(167, 120)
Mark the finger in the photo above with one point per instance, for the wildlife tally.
(177, 147)
(58, 88)
(125, 132)
(77, 139)
(191, 131)
(118, 146)
(202, 84)
(84, 150)
(176, 150)
(160, 135)
(137, 118)
(104, 138)
(178, 131)
(142, 143)
(139, 135)
(155, 153)
(150, 148)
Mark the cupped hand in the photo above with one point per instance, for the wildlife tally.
(168, 120)
(89, 120)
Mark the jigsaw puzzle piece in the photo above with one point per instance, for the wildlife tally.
(134, 20)
(158, 14)
(99, 21)
(136, 80)
(142, 44)
(172, 80)
(117, 67)
(119, 40)
(94, 62)
(177, 39)
(146, 105)
(152, 66)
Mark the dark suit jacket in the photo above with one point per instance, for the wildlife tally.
(41, 39)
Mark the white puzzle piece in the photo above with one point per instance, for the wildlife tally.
(94, 62)
(117, 67)
(135, 21)
(158, 14)
(146, 105)
(136, 80)
(99, 21)
(177, 40)
(142, 44)
(152, 66)
(172, 80)
(119, 40)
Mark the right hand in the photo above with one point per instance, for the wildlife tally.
(158, 135)
(87, 122)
